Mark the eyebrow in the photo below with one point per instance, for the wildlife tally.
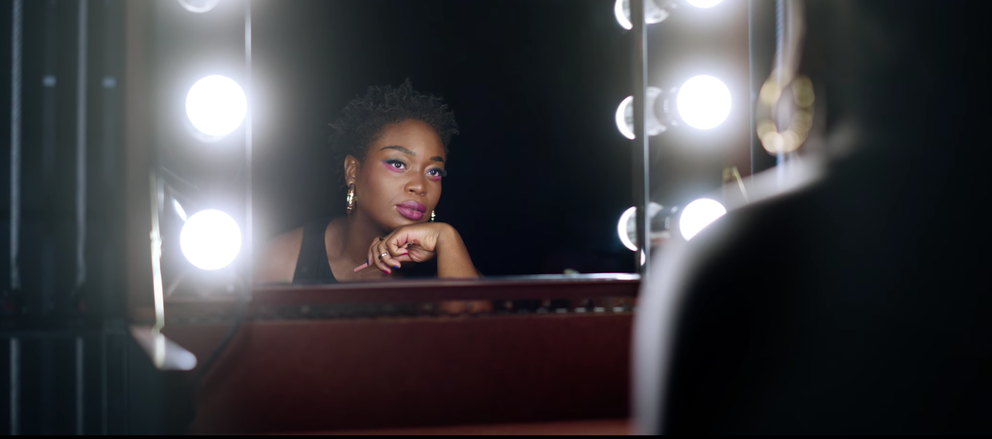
(408, 152)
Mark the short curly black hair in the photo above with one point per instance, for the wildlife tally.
(363, 119)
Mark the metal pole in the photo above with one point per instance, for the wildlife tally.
(80, 387)
(640, 144)
(155, 238)
(15, 385)
(249, 260)
(81, 150)
(15, 143)
(49, 128)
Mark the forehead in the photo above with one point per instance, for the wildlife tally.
(413, 135)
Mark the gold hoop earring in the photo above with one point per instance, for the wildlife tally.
(350, 199)
(432, 216)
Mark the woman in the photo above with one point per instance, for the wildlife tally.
(394, 143)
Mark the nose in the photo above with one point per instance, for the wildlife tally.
(417, 186)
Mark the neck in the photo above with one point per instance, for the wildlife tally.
(357, 233)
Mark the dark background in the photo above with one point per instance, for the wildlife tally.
(540, 174)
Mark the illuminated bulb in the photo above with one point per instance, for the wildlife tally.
(699, 214)
(210, 239)
(198, 6)
(626, 129)
(627, 226)
(703, 102)
(179, 209)
(652, 13)
(625, 115)
(703, 4)
(623, 228)
(216, 105)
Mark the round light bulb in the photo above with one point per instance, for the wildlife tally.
(621, 10)
(210, 239)
(623, 228)
(198, 6)
(703, 102)
(699, 214)
(216, 105)
(652, 13)
(626, 129)
(625, 115)
(704, 4)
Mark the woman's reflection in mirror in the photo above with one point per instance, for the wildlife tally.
(392, 145)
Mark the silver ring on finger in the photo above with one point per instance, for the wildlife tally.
(384, 254)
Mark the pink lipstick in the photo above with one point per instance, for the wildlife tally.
(411, 210)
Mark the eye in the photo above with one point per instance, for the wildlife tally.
(395, 164)
(436, 173)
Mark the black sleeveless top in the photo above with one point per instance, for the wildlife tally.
(312, 266)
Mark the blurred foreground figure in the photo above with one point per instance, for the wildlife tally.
(858, 302)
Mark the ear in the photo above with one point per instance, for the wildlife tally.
(351, 168)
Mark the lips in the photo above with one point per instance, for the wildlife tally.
(411, 210)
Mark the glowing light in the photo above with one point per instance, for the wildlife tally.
(622, 10)
(623, 229)
(703, 102)
(216, 105)
(625, 115)
(652, 13)
(622, 110)
(704, 4)
(198, 6)
(210, 239)
(699, 214)
(179, 209)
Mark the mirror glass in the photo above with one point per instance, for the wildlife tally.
(448, 138)
(534, 181)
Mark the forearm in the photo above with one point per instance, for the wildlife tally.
(452, 256)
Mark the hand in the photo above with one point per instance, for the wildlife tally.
(413, 243)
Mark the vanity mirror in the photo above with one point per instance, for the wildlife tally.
(317, 135)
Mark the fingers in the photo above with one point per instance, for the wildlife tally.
(386, 254)
(388, 260)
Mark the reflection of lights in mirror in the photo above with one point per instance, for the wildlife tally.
(704, 4)
(625, 115)
(210, 239)
(652, 13)
(623, 229)
(216, 105)
(699, 214)
(627, 225)
(179, 209)
(198, 6)
(703, 102)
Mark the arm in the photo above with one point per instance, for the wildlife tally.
(453, 259)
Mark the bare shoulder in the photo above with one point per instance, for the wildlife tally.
(277, 261)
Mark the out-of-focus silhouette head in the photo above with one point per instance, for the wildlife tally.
(857, 303)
